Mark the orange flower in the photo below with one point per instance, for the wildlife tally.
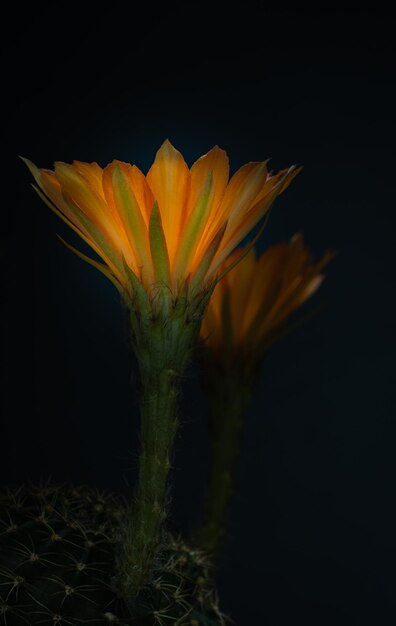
(172, 227)
(252, 303)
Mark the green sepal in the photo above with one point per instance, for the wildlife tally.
(161, 295)
(159, 249)
(33, 169)
(102, 267)
(140, 294)
(63, 217)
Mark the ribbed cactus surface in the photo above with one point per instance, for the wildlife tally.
(59, 549)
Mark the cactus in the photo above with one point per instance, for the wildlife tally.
(59, 547)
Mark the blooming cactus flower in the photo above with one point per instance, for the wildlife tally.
(162, 239)
(174, 226)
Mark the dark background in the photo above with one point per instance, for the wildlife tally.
(312, 534)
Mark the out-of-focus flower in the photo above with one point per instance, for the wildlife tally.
(252, 304)
(249, 309)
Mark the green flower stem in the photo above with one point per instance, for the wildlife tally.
(163, 344)
(228, 402)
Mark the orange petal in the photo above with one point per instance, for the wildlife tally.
(139, 187)
(268, 290)
(52, 189)
(215, 161)
(127, 212)
(241, 280)
(47, 182)
(283, 178)
(296, 287)
(237, 230)
(142, 191)
(236, 204)
(192, 231)
(169, 180)
(92, 173)
(201, 270)
(90, 203)
(80, 232)
(311, 279)
(238, 197)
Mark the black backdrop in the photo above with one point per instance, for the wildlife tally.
(312, 534)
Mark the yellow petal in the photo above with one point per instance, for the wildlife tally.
(169, 180)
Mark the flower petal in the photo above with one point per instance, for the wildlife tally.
(193, 229)
(248, 191)
(169, 180)
(202, 269)
(239, 194)
(141, 189)
(265, 292)
(92, 173)
(216, 162)
(48, 183)
(96, 234)
(81, 233)
(91, 204)
(241, 227)
(241, 281)
(121, 198)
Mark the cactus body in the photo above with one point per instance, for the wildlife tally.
(58, 565)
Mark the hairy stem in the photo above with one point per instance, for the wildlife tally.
(228, 402)
(163, 348)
